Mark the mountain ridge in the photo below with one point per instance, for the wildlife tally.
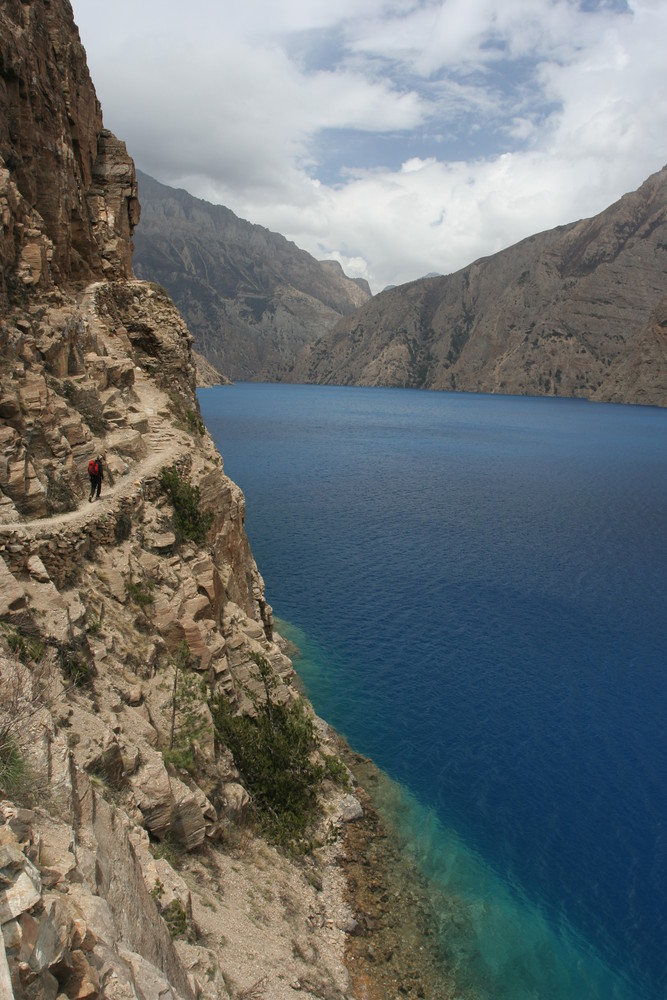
(562, 312)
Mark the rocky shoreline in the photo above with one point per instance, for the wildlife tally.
(394, 949)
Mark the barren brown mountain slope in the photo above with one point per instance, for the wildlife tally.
(561, 313)
(250, 297)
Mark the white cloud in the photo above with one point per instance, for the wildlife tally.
(470, 34)
(219, 102)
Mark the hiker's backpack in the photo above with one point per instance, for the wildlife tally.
(93, 467)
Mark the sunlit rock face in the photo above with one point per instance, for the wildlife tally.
(121, 626)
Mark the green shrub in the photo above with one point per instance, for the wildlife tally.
(157, 892)
(75, 667)
(12, 765)
(174, 913)
(335, 770)
(273, 754)
(24, 689)
(182, 758)
(140, 592)
(170, 851)
(26, 648)
(189, 522)
(194, 423)
(75, 662)
(175, 918)
(186, 418)
(94, 625)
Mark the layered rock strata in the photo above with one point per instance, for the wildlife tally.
(125, 872)
(111, 596)
(68, 190)
(561, 313)
(250, 297)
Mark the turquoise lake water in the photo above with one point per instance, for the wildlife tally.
(478, 585)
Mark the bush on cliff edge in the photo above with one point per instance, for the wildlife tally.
(273, 753)
(189, 521)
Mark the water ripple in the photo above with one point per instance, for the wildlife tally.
(481, 586)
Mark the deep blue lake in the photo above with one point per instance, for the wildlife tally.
(478, 585)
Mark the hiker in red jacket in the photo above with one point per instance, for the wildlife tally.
(96, 474)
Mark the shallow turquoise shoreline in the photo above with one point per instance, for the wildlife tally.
(497, 944)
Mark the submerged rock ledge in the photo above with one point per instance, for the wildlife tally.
(394, 947)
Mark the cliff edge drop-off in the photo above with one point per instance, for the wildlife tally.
(133, 863)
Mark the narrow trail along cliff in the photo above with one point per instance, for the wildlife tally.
(163, 443)
(135, 830)
(158, 865)
(133, 860)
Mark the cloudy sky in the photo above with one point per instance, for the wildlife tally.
(400, 137)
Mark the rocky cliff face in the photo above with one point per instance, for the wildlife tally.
(251, 298)
(638, 373)
(68, 192)
(127, 870)
(98, 602)
(562, 313)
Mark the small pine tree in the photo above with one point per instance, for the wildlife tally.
(189, 723)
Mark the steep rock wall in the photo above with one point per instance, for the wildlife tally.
(68, 191)
(105, 606)
(250, 297)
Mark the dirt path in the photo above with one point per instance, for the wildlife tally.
(111, 494)
(165, 443)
